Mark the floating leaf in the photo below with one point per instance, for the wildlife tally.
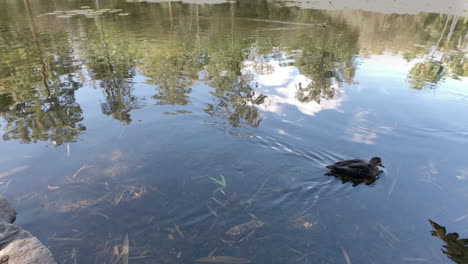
(179, 231)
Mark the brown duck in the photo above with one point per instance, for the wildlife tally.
(357, 169)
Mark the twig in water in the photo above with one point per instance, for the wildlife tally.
(73, 255)
(64, 239)
(80, 169)
(141, 257)
(95, 212)
(213, 212)
(125, 250)
(388, 232)
(345, 254)
(305, 255)
(178, 231)
(216, 200)
(222, 183)
(392, 186)
(249, 202)
(460, 218)
(117, 201)
(8, 184)
(13, 171)
(212, 252)
(295, 251)
(414, 259)
(213, 225)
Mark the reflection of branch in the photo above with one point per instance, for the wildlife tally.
(170, 14)
(119, 98)
(38, 46)
(105, 46)
(232, 11)
(108, 91)
(441, 36)
(198, 26)
(452, 27)
(237, 105)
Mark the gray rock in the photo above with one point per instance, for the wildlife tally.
(7, 213)
(18, 246)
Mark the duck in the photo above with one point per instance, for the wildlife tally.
(357, 169)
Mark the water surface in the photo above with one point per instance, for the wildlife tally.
(119, 117)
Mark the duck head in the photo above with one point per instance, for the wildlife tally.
(376, 161)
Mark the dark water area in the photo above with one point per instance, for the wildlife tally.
(171, 122)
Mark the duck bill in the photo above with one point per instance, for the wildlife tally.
(381, 165)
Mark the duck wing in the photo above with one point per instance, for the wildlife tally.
(347, 163)
(354, 170)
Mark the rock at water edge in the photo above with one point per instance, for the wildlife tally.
(18, 246)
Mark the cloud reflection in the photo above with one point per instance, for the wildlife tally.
(274, 76)
(359, 130)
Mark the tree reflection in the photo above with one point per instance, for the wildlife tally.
(42, 59)
(6, 100)
(431, 71)
(113, 64)
(425, 74)
(173, 74)
(37, 88)
(445, 57)
(42, 120)
(327, 62)
(175, 69)
(320, 67)
(456, 248)
(237, 104)
(236, 100)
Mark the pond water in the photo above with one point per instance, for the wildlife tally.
(171, 122)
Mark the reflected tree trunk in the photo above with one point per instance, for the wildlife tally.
(198, 27)
(233, 14)
(35, 34)
(105, 47)
(170, 15)
(452, 27)
(443, 31)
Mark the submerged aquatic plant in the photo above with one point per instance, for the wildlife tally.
(221, 183)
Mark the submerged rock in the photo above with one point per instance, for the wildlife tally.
(7, 213)
(20, 247)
